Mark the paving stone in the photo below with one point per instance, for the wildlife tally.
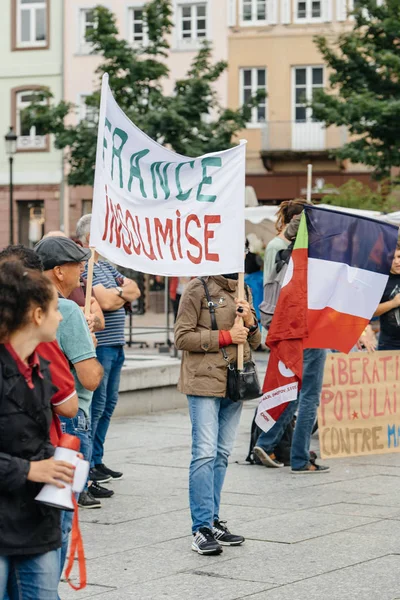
(300, 525)
(295, 562)
(372, 580)
(189, 587)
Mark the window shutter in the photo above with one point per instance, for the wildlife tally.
(231, 13)
(272, 12)
(341, 10)
(285, 11)
(327, 10)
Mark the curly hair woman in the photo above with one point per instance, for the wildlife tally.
(287, 210)
(30, 532)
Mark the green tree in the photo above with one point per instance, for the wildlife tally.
(184, 120)
(364, 92)
(355, 194)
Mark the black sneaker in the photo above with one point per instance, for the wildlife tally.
(204, 542)
(98, 476)
(98, 491)
(224, 536)
(312, 467)
(87, 500)
(108, 472)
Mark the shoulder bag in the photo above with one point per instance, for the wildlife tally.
(241, 384)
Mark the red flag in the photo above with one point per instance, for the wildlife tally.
(285, 338)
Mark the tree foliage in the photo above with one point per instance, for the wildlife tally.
(364, 92)
(190, 120)
(355, 194)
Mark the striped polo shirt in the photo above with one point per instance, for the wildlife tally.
(113, 333)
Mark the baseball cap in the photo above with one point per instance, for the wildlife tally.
(55, 251)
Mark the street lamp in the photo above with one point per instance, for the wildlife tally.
(11, 148)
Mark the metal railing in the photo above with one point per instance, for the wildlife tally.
(301, 136)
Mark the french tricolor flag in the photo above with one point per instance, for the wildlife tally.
(335, 279)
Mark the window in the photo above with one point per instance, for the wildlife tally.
(86, 206)
(29, 137)
(252, 80)
(31, 21)
(253, 12)
(308, 10)
(193, 21)
(86, 24)
(87, 113)
(306, 81)
(137, 27)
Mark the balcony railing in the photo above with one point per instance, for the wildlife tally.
(308, 136)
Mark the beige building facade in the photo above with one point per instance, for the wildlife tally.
(193, 22)
(31, 60)
(271, 47)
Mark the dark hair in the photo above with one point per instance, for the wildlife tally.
(20, 290)
(287, 210)
(28, 257)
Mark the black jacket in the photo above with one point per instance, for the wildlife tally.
(26, 526)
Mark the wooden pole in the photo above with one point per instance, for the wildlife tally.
(309, 183)
(240, 350)
(89, 283)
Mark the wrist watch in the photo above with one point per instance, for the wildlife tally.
(253, 328)
(119, 290)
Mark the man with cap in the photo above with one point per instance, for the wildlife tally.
(62, 261)
(112, 291)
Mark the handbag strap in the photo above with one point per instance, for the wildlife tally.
(211, 308)
(210, 304)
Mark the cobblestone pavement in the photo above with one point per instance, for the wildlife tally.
(331, 536)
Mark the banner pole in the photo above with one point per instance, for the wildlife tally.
(309, 183)
(240, 350)
(89, 283)
(240, 288)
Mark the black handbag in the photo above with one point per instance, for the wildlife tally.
(241, 384)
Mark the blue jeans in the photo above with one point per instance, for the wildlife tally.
(33, 577)
(214, 425)
(105, 397)
(80, 427)
(309, 397)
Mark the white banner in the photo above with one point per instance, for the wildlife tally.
(158, 212)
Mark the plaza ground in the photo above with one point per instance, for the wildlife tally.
(333, 536)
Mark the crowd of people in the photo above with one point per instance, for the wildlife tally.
(60, 372)
(60, 368)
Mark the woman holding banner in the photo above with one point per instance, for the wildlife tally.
(203, 379)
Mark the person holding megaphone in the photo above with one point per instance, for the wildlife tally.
(30, 532)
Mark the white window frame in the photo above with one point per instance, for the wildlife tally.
(131, 21)
(254, 22)
(253, 123)
(83, 109)
(308, 18)
(83, 46)
(309, 90)
(31, 8)
(31, 141)
(194, 41)
(350, 9)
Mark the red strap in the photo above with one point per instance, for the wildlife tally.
(76, 548)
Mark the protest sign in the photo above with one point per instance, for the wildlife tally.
(360, 404)
(162, 213)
